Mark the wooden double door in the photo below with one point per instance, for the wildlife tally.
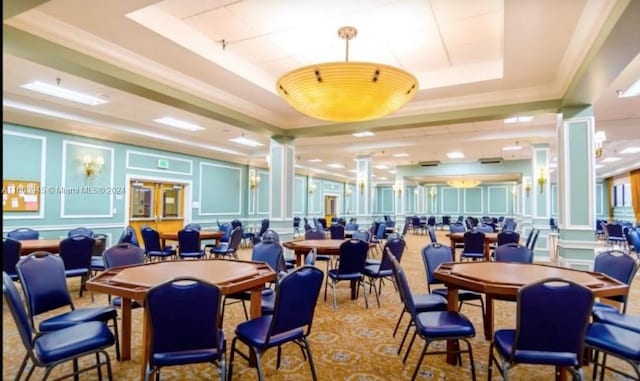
(159, 205)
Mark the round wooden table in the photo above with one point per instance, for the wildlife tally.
(500, 280)
(489, 238)
(323, 246)
(29, 246)
(133, 282)
(204, 235)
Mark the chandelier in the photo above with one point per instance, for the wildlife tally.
(463, 183)
(347, 91)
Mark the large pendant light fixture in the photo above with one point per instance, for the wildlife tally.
(347, 91)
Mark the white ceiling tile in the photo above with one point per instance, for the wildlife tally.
(480, 51)
(484, 27)
(221, 24)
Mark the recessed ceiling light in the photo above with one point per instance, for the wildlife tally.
(598, 166)
(518, 119)
(315, 160)
(247, 142)
(393, 172)
(553, 165)
(177, 123)
(630, 150)
(382, 178)
(512, 148)
(610, 159)
(61, 92)
(632, 91)
(380, 166)
(400, 154)
(455, 155)
(353, 171)
(363, 134)
(335, 165)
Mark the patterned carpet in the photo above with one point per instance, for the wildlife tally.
(351, 343)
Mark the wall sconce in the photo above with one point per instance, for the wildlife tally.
(254, 180)
(361, 185)
(348, 191)
(527, 187)
(311, 186)
(514, 191)
(397, 189)
(92, 166)
(542, 179)
(599, 137)
(433, 193)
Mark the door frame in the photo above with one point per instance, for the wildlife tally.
(187, 193)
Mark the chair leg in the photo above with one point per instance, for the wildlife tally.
(115, 331)
(259, 367)
(311, 364)
(424, 351)
(233, 353)
(395, 330)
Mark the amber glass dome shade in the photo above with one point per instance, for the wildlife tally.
(347, 91)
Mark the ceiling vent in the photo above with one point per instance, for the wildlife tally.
(433, 163)
(491, 160)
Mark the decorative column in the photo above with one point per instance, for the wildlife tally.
(540, 196)
(281, 186)
(576, 187)
(364, 204)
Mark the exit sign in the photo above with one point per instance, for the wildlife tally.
(163, 163)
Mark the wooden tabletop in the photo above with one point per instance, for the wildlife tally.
(133, 282)
(204, 234)
(500, 280)
(32, 245)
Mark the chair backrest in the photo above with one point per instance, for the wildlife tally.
(485, 228)
(235, 239)
(193, 226)
(151, 239)
(534, 239)
(473, 242)
(43, 293)
(403, 286)
(553, 225)
(613, 230)
(123, 254)
(296, 222)
(271, 253)
(336, 231)
(10, 255)
(545, 322)
(264, 225)
(446, 220)
(323, 222)
(314, 234)
(432, 234)
(431, 221)
(295, 302)
(381, 229)
(457, 228)
(22, 234)
(508, 236)
(353, 256)
(633, 237)
(362, 235)
(226, 231)
(509, 224)
(396, 248)
(189, 240)
(351, 226)
(432, 256)
(512, 252)
(76, 252)
(176, 309)
(234, 223)
(271, 236)
(81, 231)
(619, 265)
(310, 258)
(19, 314)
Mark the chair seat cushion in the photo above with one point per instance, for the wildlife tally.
(617, 319)
(191, 356)
(254, 333)
(323, 257)
(97, 263)
(191, 254)
(76, 272)
(463, 295)
(374, 270)
(333, 274)
(429, 302)
(117, 302)
(598, 306)
(371, 261)
(71, 341)
(504, 339)
(443, 324)
(79, 315)
(222, 248)
(613, 339)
